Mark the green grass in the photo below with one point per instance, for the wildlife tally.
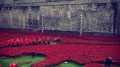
(70, 64)
(6, 62)
(53, 43)
(26, 65)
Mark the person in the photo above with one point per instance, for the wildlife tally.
(57, 39)
(0, 65)
(17, 42)
(39, 41)
(108, 62)
(11, 43)
(33, 54)
(48, 40)
(34, 42)
(13, 64)
(43, 40)
(21, 42)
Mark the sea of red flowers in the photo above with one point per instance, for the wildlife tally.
(84, 49)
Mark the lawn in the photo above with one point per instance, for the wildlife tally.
(70, 64)
(30, 59)
(20, 60)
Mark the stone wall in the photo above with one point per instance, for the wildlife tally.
(118, 19)
(83, 17)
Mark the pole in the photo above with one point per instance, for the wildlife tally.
(42, 25)
(81, 24)
(11, 17)
(38, 18)
(28, 17)
(69, 16)
(81, 21)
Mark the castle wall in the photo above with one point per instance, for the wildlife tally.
(67, 16)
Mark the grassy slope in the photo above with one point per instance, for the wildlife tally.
(6, 62)
(70, 64)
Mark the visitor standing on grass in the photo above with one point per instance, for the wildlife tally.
(108, 62)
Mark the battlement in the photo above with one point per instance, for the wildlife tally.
(53, 2)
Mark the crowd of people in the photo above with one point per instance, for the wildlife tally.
(33, 41)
